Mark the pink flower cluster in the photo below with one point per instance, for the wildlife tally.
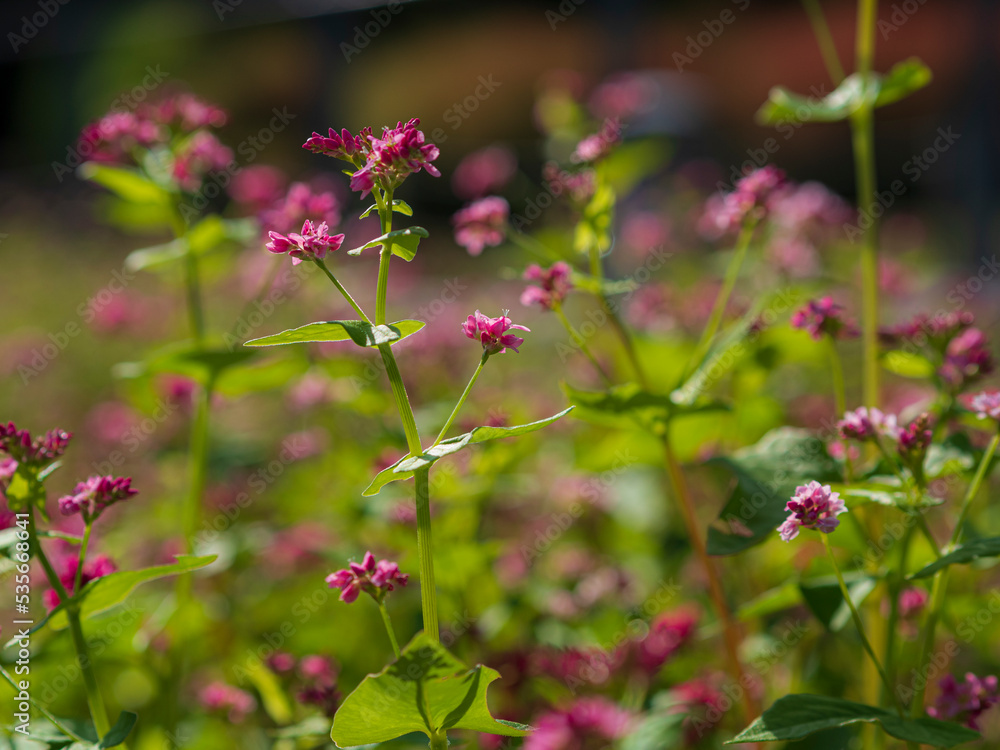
(967, 359)
(595, 147)
(312, 243)
(824, 317)
(493, 332)
(986, 405)
(201, 153)
(553, 285)
(668, 633)
(384, 162)
(224, 698)
(727, 213)
(97, 567)
(93, 496)
(300, 203)
(579, 186)
(314, 679)
(966, 700)
(813, 506)
(588, 722)
(374, 578)
(867, 424)
(914, 440)
(950, 339)
(483, 172)
(481, 224)
(37, 452)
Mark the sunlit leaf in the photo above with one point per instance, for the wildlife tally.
(358, 331)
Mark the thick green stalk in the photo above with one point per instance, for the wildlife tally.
(940, 585)
(95, 701)
(461, 400)
(428, 590)
(859, 624)
(199, 464)
(722, 299)
(388, 628)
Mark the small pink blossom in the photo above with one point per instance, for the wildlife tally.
(867, 424)
(492, 332)
(595, 147)
(93, 496)
(668, 633)
(375, 579)
(912, 601)
(302, 201)
(481, 224)
(483, 172)
(588, 722)
(258, 186)
(311, 244)
(201, 154)
(986, 405)
(37, 452)
(725, 213)
(967, 358)
(553, 285)
(235, 703)
(579, 186)
(965, 700)
(317, 684)
(824, 317)
(813, 506)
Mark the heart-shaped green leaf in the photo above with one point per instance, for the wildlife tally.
(402, 241)
(358, 331)
(426, 690)
(902, 80)
(767, 474)
(105, 593)
(129, 184)
(796, 716)
(962, 555)
(404, 467)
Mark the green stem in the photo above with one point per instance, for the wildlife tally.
(722, 299)
(581, 344)
(439, 740)
(196, 315)
(199, 464)
(840, 400)
(532, 246)
(95, 701)
(863, 142)
(895, 589)
(388, 628)
(940, 585)
(428, 590)
(50, 572)
(83, 556)
(340, 288)
(461, 400)
(858, 622)
(825, 40)
(277, 263)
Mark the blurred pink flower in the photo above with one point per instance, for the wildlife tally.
(553, 285)
(595, 147)
(259, 186)
(481, 224)
(483, 172)
(986, 405)
(94, 568)
(965, 700)
(220, 697)
(824, 317)
(303, 201)
(587, 722)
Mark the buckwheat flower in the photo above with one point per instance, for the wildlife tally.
(93, 496)
(281, 662)
(201, 154)
(374, 578)
(553, 285)
(914, 439)
(340, 145)
(824, 316)
(302, 202)
(579, 186)
(493, 332)
(257, 187)
(986, 405)
(668, 633)
(37, 452)
(481, 224)
(595, 147)
(813, 506)
(312, 243)
(966, 359)
(483, 172)
(588, 722)
(867, 424)
(726, 213)
(318, 683)
(220, 697)
(912, 601)
(965, 700)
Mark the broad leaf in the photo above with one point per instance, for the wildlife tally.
(202, 238)
(185, 358)
(361, 333)
(594, 227)
(120, 731)
(403, 241)
(629, 405)
(796, 716)
(129, 184)
(426, 690)
(826, 602)
(903, 79)
(767, 474)
(407, 465)
(908, 364)
(399, 206)
(774, 600)
(968, 552)
(113, 589)
(883, 490)
(955, 455)
(719, 359)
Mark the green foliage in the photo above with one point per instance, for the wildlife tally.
(629, 405)
(403, 242)
(796, 716)
(902, 80)
(358, 331)
(426, 690)
(826, 601)
(594, 228)
(406, 466)
(129, 184)
(966, 553)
